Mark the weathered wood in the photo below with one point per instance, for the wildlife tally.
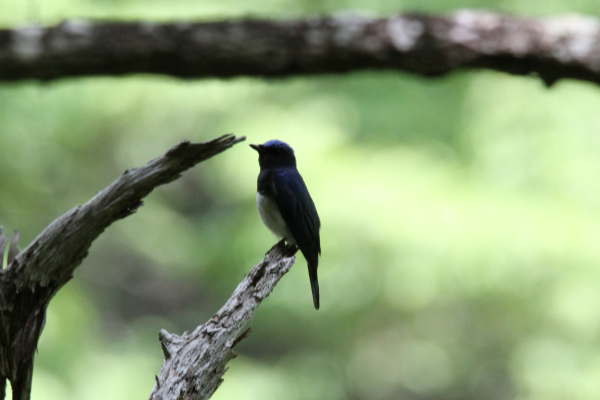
(552, 48)
(35, 275)
(195, 363)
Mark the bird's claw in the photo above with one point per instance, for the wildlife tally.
(290, 249)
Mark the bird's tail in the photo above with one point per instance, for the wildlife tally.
(314, 284)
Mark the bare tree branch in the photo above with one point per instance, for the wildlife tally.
(41, 269)
(553, 48)
(195, 363)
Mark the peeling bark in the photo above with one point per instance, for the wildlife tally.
(195, 363)
(34, 275)
(552, 48)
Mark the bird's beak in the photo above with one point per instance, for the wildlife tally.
(257, 147)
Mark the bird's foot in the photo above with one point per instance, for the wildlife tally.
(289, 249)
(281, 242)
(293, 249)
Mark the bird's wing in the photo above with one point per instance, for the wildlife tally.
(300, 214)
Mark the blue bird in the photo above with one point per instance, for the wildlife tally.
(285, 206)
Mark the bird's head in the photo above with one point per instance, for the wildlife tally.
(275, 153)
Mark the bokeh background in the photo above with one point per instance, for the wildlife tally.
(461, 221)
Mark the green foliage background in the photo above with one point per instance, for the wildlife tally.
(461, 221)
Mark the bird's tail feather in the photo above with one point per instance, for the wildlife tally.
(314, 284)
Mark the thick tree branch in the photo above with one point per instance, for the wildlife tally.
(553, 48)
(195, 363)
(35, 275)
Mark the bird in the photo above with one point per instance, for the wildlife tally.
(285, 206)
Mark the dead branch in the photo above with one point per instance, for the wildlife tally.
(195, 363)
(34, 275)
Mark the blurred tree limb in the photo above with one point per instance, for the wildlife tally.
(552, 48)
(194, 363)
(35, 275)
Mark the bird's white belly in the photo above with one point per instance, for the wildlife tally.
(271, 217)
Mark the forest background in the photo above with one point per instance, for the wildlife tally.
(460, 220)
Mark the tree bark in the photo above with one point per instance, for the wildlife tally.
(552, 48)
(195, 363)
(34, 275)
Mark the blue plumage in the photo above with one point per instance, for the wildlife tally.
(285, 205)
